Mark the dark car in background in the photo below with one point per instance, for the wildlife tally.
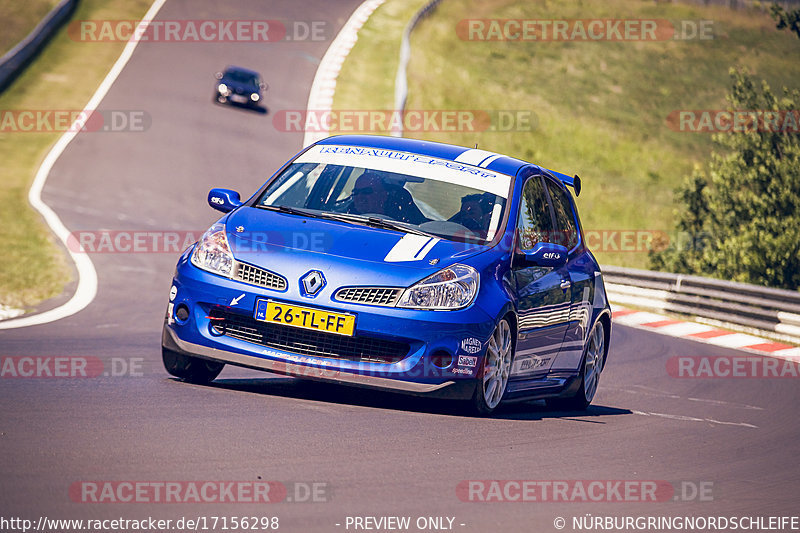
(238, 85)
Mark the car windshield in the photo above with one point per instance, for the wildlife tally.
(241, 77)
(443, 198)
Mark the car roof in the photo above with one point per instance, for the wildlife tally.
(233, 68)
(459, 154)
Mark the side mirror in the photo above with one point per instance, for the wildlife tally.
(546, 254)
(263, 85)
(218, 75)
(224, 200)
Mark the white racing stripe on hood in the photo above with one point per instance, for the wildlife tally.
(411, 248)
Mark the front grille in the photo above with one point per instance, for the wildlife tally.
(385, 296)
(307, 342)
(258, 276)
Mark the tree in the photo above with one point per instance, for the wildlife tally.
(786, 19)
(741, 221)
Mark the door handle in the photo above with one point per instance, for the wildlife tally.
(566, 284)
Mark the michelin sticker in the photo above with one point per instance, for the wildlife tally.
(471, 345)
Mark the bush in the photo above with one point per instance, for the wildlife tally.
(741, 220)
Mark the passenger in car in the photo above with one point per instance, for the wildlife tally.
(474, 213)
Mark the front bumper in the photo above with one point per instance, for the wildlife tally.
(431, 337)
(239, 99)
(449, 389)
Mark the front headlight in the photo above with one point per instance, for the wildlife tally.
(451, 288)
(212, 252)
(223, 89)
(254, 97)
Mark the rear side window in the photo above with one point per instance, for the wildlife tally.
(566, 232)
(534, 223)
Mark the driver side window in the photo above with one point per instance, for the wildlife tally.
(534, 222)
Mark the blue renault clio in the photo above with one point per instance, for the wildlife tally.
(402, 265)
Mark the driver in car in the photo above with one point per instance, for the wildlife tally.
(373, 196)
(369, 195)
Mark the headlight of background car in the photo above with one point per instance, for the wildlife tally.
(450, 288)
(212, 252)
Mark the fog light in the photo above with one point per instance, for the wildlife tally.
(442, 359)
(182, 313)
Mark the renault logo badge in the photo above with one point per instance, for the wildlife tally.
(312, 283)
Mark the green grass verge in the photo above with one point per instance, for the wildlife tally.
(601, 107)
(19, 18)
(64, 76)
(366, 81)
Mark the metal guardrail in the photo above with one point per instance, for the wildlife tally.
(770, 312)
(16, 59)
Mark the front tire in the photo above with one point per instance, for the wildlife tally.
(591, 366)
(191, 369)
(494, 372)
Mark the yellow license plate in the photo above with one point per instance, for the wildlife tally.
(305, 317)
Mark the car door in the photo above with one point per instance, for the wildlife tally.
(579, 273)
(543, 293)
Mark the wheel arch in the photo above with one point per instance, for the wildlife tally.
(605, 318)
(509, 313)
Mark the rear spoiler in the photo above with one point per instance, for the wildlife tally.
(574, 182)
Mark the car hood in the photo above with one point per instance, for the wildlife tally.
(238, 87)
(293, 244)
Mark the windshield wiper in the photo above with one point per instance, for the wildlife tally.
(291, 210)
(376, 222)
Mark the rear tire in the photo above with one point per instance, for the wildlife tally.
(495, 369)
(191, 369)
(591, 367)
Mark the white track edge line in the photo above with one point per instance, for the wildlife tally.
(331, 64)
(87, 275)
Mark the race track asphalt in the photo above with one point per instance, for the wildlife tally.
(378, 454)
